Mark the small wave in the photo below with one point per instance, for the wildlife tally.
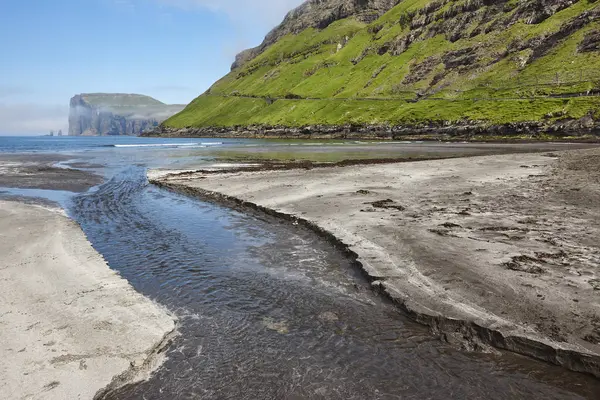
(166, 145)
(212, 143)
(155, 145)
(161, 145)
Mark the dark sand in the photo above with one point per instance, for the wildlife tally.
(332, 152)
(499, 250)
(37, 171)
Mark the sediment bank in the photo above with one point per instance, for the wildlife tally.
(494, 250)
(38, 171)
(71, 327)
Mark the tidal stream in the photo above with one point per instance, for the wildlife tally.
(270, 311)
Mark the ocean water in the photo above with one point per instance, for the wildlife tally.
(267, 310)
(68, 144)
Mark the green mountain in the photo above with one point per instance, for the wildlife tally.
(392, 68)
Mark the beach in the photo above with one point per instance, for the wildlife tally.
(282, 288)
(491, 251)
(71, 328)
(42, 171)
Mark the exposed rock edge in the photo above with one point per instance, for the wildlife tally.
(142, 372)
(584, 128)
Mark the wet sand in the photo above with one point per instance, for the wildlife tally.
(365, 151)
(69, 326)
(496, 250)
(29, 171)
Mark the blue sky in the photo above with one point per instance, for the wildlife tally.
(172, 50)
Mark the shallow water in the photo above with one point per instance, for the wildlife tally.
(268, 310)
(60, 197)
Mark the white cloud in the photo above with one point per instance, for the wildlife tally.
(267, 12)
(32, 118)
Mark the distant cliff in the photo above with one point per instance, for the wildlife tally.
(103, 114)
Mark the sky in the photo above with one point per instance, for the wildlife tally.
(172, 50)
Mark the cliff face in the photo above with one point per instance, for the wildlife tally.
(116, 114)
(318, 14)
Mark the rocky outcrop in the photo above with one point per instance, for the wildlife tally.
(318, 14)
(591, 42)
(116, 114)
(584, 129)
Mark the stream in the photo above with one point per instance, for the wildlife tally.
(269, 310)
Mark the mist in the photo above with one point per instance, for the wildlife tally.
(32, 119)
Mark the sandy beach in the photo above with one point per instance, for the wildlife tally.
(70, 326)
(498, 250)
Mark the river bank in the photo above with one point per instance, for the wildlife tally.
(71, 327)
(494, 250)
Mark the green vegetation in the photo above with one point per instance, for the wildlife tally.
(131, 105)
(120, 100)
(423, 62)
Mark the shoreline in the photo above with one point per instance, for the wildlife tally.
(584, 130)
(427, 295)
(39, 171)
(71, 326)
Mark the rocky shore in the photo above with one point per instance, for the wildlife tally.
(497, 251)
(584, 129)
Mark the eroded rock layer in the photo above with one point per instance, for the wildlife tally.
(411, 65)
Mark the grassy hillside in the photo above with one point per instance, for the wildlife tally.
(120, 100)
(131, 105)
(422, 63)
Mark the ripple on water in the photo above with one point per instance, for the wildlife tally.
(269, 311)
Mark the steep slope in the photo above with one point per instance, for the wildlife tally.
(116, 114)
(317, 14)
(390, 68)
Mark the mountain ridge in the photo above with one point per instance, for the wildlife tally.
(316, 14)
